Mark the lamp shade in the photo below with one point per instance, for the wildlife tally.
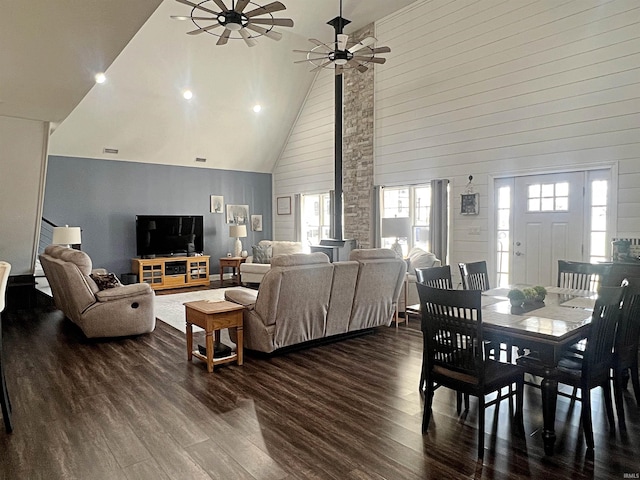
(395, 227)
(66, 235)
(238, 231)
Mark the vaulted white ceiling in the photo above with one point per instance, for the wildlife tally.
(57, 47)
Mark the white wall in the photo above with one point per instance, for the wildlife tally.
(488, 89)
(307, 160)
(23, 147)
(492, 88)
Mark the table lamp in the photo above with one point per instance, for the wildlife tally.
(395, 227)
(66, 236)
(237, 232)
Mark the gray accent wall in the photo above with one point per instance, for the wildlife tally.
(103, 197)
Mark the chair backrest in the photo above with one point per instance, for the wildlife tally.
(5, 268)
(598, 354)
(581, 275)
(452, 326)
(628, 331)
(474, 276)
(438, 277)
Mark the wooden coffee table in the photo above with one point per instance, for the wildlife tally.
(212, 317)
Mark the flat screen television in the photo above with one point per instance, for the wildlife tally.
(166, 235)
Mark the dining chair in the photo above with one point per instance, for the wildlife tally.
(474, 276)
(438, 277)
(455, 359)
(591, 368)
(5, 403)
(582, 275)
(625, 349)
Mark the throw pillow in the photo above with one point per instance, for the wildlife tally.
(262, 253)
(106, 280)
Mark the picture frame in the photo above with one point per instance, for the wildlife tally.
(237, 214)
(470, 204)
(256, 223)
(217, 204)
(283, 205)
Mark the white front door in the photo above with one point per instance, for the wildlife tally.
(549, 214)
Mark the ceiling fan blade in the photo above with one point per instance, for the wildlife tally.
(381, 50)
(183, 17)
(363, 43)
(221, 5)
(270, 8)
(362, 68)
(321, 45)
(320, 67)
(241, 5)
(224, 38)
(322, 54)
(370, 59)
(306, 60)
(195, 5)
(247, 38)
(342, 41)
(205, 29)
(280, 22)
(267, 33)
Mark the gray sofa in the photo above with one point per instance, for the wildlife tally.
(113, 312)
(304, 297)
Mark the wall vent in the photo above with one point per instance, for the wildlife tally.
(110, 150)
(200, 159)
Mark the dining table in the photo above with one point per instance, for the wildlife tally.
(546, 327)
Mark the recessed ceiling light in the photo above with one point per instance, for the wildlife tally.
(257, 108)
(187, 94)
(100, 77)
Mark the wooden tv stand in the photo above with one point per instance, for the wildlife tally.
(172, 272)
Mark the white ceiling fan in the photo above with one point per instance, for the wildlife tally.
(235, 20)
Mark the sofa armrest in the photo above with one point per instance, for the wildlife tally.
(249, 259)
(242, 297)
(125, 291)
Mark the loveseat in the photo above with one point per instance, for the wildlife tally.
(417, 258)
(259, 263)
(304, 297)
(120, 310)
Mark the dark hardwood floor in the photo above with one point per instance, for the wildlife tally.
(134, 408)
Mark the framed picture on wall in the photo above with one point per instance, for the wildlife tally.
(238, 214)
(256, 223)
(469, 204)
(217, 204)
(283, 205)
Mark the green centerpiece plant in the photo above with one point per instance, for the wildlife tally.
(516, 297)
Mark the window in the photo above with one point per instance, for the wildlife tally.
(316, 218)
(548, 197)
(414, 203)
(503, 238)
(598, 234)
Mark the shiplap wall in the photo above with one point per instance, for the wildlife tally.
(490, 88)
(306, 163)
(509, 87)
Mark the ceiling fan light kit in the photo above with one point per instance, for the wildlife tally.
(258, 19)
(343, 54)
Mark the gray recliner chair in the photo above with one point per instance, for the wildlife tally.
(114, 312)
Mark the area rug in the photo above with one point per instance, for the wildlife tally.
(170, 308)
